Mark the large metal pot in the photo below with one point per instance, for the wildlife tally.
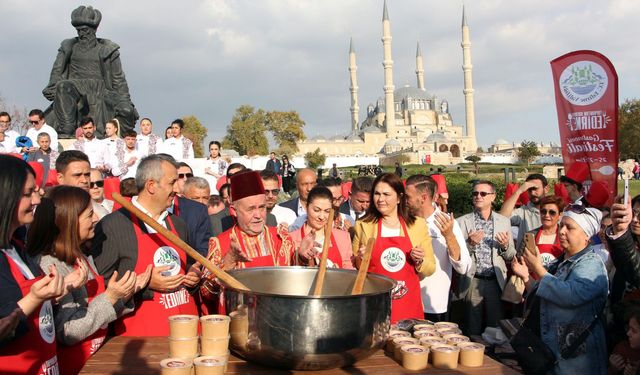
(279, 324)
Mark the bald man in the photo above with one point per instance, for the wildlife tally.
(306, 179)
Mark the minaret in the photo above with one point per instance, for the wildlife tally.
(387, 63)
(353, 88)
(419, 68)
(468, 81)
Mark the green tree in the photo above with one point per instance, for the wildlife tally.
(528, 151)
(246, 133)
(474, 159)
(315, 159)
(629, 129)
(196, 132)
(286, 128)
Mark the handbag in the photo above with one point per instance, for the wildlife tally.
(534, 356)
(513, 290)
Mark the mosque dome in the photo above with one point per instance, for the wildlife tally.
(437, 137)
(502, 142)
(410, 92)
(392, 143)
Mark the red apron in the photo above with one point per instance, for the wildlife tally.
(390, 257)
(34, 352)
(72, 358)
(151, 317)
(334, 253)
(548, 252)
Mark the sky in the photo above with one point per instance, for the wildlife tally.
(206, 58)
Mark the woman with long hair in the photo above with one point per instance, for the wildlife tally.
(27, 338)
(567, 301)
(216, 165)
(115, 146)
(312, 232)
(402, 249)
(63, 223)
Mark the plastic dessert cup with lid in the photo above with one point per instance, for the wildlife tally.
(414, 357)
(444, 356)
(214, 326)
(183, 326)
(215, 346)
(453, 339)
(183, 347)
(176, 366)
(210, 365)
(399, 342)
(471, 354)
(448, 331)
(395, 334)
(445, 325)
(431, 340)
(425, 333)
(425, 326)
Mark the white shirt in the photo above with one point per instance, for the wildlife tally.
(283, 214)
(435, 288)
(143, 143)
(180, 148)
(160, 220)
(95, 149)
(13, 254)
(9, 143)
(131, 170)
(115, 155)
(32, 133)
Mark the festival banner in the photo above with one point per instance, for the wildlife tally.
(586, 88)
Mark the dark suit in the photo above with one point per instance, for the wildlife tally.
(196, 217)
(291, 204)
(115, 247)
(345, 208)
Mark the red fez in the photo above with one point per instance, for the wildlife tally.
(39, 169)
(246, 184)
(598, 194)
(577, 173)
(441, 182)
(560, 191)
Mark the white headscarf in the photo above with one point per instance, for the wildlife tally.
(589, 221)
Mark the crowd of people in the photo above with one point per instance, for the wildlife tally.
(76, 267)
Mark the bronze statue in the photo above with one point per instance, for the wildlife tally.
(87, 80)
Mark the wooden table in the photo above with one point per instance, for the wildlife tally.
(142, 355)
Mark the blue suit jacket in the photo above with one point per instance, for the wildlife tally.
(291, 204)
(195, 215)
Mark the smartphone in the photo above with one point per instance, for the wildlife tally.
(530, 242)
(626, 192)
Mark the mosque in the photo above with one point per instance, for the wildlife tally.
(408, 120)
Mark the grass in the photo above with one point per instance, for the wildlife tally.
(634, 188)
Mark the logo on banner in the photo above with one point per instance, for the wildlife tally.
(45, 323)
(167, 256)
(393, 259)
(583, 82)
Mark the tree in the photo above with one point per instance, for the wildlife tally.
(315, 159)
(629, 129)
(196, 132)
(528, 151)
(246, 133)
(286, 128)
(474, 159)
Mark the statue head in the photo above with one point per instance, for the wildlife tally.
(86, 16)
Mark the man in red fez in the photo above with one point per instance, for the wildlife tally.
(250, 243)
(576, 175)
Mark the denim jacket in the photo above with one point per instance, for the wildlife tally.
(569, 300)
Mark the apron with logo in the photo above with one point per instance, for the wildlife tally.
(334, 257)
(151, 317)
(548, 252)
(72, 358)
(34, 352)
(390, 257)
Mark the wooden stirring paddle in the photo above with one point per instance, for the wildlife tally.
(219, 273)
(322, 268)
(364, 266)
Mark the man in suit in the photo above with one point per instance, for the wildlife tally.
(488, 239)
(124, 243)
(359, 198)
(306, 179)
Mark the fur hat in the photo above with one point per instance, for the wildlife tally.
(86, 16)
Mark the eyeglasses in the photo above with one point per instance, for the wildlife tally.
(544, 211)
(272, 191)
(338, 199)
(34, 122)
(94, 184)
(481, 193)
(185, 175)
